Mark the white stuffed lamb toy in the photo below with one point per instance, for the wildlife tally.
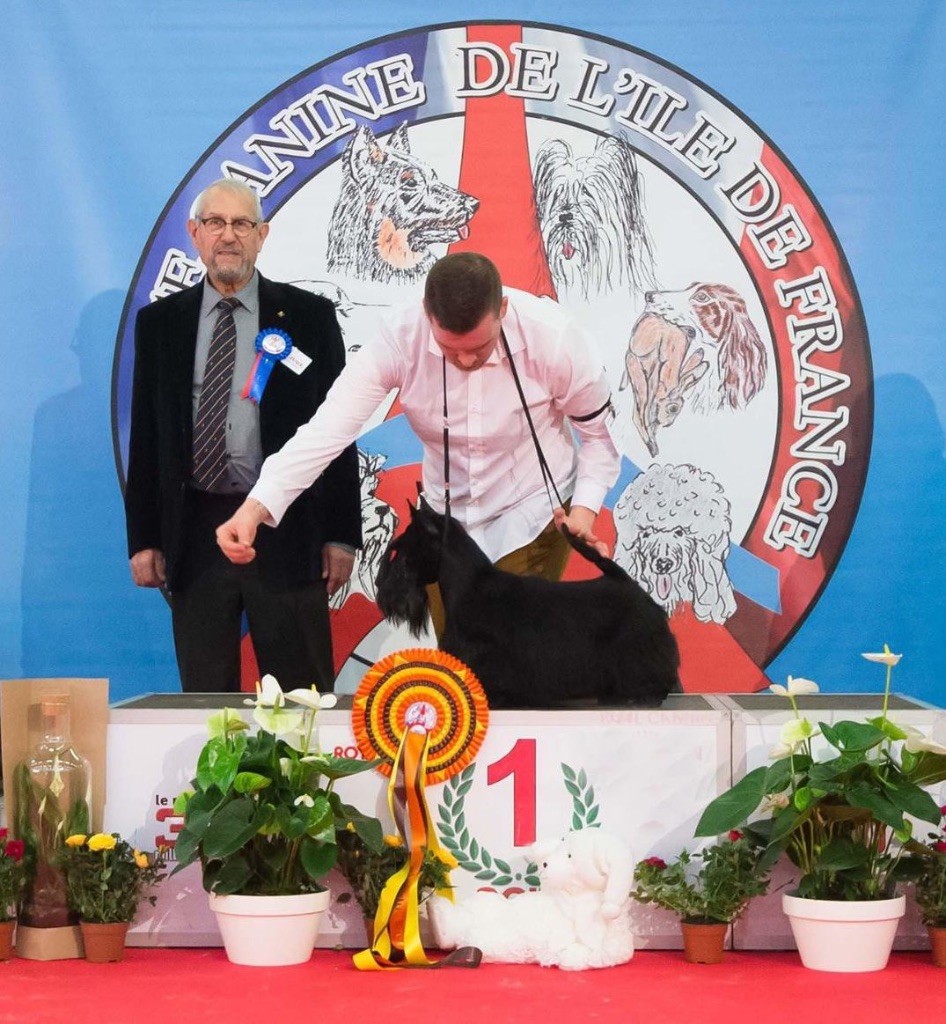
(578, 918)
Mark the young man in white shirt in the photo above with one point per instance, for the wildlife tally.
(454, 348)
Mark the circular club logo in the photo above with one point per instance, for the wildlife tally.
(721, 303)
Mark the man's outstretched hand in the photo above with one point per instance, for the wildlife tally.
(235, 537)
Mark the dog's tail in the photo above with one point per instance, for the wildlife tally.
(606, 565)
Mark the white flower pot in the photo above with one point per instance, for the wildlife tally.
(844, 935)
(269, 931)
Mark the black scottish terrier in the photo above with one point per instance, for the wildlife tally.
(531, 643)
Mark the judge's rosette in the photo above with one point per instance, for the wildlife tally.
(424, 714)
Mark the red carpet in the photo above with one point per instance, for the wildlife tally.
(158, 986)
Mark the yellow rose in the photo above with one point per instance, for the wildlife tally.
(141, 859)
(102, 841)
(394, 841)
(76, 840)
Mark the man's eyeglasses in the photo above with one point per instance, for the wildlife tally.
(242, 226)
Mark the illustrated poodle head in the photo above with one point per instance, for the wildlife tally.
(673, 525)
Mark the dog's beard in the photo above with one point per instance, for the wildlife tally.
(401, 598)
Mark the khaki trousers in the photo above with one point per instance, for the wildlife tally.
(545, 556)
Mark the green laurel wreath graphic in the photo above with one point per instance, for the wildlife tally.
(473, 856)
(584, 808)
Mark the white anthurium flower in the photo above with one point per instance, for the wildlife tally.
(269, 692)
(916, 742)
(794, 732)
(884, 657)
(277, 720)
(285, 766)
(305, 801)
(311, 698)
(796, 687)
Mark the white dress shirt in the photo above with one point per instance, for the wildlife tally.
(496, 485)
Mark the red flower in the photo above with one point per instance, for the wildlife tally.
(942, 810)
(656, 862)
(14, 849)
(3, 834)
(940, 846)
(734, 835)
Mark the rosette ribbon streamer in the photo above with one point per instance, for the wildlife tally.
(397, 941)
(272, 346)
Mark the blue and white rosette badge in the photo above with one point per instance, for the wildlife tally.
(272, 346)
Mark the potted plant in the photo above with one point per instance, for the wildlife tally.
(106, 880)
(367, 871)
(263, 819)
(841, 811)
(709, 897)
(12, 880)
(930, 887)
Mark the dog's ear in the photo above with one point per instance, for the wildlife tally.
(398, 141)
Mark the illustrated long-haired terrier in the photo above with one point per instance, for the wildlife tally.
(532, 643)
(390, 210)
(591, 213)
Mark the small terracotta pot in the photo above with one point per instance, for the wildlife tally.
(104, 943)
(6, 939)
(703, 943)
(937, 944)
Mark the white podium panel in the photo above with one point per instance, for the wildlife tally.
(757, 722)
(643, 775)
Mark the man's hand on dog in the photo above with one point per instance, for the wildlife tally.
(581, 521)
(235, 537)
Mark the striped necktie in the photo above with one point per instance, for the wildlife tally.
(210, 428)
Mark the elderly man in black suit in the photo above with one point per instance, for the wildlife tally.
(197, 446)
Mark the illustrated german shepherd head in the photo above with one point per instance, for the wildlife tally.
(391, 209)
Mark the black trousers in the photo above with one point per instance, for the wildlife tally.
(289, 626)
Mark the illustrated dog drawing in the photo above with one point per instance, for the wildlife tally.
(591, 214)
(531, 643)
(673, 525)
(577, 920)
(391, 209)
(379, 522)
(661, 370)
(712, 317)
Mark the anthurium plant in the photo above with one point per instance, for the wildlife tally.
(930, 890)
(12, 875)
(710, 886)
(840, 808)
(263, 817)
(106, 878)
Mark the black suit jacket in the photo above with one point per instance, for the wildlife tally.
(159, 457)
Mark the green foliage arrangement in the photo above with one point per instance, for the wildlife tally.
(12, 874)
(711, 886)
(263, 817)
(106, 878)
(843, 816)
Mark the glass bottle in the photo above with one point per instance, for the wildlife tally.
(53, 800)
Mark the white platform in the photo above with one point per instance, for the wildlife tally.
(647, 777)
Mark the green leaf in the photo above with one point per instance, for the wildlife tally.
(250, 782)
(486, 858)
(185, 849)
(334, 768)
(927, 769)
(501, 865)
(852, 736)
(842, 855)
(233, 875)
(868, 798)
(582, 779)
(576, 822)
(502, 880)
(888, 728)
(573, 790)
(484, 876)
(232, 826)
(568, 773)
(913, 800)
(592, 815)
(733, 807)
(475, 850)
(447, 798)
(317, 858)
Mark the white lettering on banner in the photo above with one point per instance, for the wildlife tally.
(318, 118)
(487, 71)
(809, 489)
(177, 272)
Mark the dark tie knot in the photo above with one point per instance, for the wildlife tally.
(228, 305)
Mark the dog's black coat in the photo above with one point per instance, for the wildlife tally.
(531, 643)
